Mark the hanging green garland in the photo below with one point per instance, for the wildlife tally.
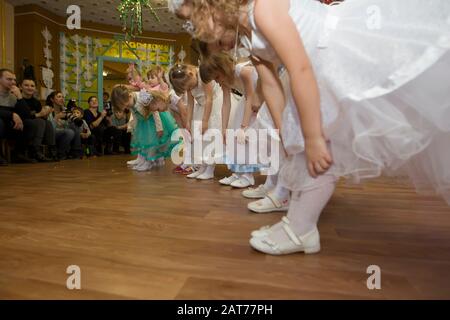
(131, 15)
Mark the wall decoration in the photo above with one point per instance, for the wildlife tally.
(80, 59)
(47, 72)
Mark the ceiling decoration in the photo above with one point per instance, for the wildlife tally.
(131, 12)
(155, 17)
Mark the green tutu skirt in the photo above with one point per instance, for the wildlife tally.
(145, 141)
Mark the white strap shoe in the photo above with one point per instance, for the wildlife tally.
(255, 193)
(241, 183)
(308, 243)
(134, 162)
(269, 204)
(146, 166)
(261, 232)
(205, 176)
(194, 175)
(229, 180)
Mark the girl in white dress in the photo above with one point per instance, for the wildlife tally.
(242, 113)
(370, 95)
(237, 113)
(204, 117)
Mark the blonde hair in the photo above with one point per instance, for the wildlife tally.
(119, 96)
(204, 10)
(179, 75)
(219, 63)
(154, 70)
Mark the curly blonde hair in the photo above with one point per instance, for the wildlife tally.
(219, 63)
(223, 12)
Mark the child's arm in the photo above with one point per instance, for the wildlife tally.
(226, 108)
(270, 15)
(246, 76)
(272, 90)
(208, 106)
(86, 131)
(183, 112)
(158, 123)
(190, 111)
(131, 123)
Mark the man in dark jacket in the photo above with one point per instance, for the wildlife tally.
(13, 111)
(45, 131)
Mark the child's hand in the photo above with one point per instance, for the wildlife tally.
(160, 134)
(204, 126)
(318, 157)
(240, 136)
(160, 74)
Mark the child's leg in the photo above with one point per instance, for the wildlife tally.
(200, 171)
(208, 173)
(145, 166)
(279, 191)
(304, 212)
(271, 182)
(249, 177)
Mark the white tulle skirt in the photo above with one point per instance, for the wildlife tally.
(385, 94)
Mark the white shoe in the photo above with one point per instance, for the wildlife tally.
(257, 193)
(134, 162)
(261, 232)
(309, 243)
(242, 182)
(229, 180)
(146, 166)
(205, 176)
(194, 175)
(269, 204)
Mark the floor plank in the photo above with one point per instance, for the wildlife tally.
(158, 235)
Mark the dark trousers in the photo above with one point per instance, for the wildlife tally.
(49, 137)
(120, 138)
(98, 136)
(76, 149)
(64, 138)
(89, 143)
(2, 129)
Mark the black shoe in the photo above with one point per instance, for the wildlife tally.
(21, 158)
(3, 162)
(53, 153)
(41, 158)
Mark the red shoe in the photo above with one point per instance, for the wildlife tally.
(188, 171)
(178, 170)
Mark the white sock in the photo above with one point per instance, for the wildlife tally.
(280, 192)
(201, 169)
(249, 177)
(305, 209)
(271, 182)
(209, 170)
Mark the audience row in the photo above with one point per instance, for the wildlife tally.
(68, 131)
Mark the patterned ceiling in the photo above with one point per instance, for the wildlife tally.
(104, 11)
